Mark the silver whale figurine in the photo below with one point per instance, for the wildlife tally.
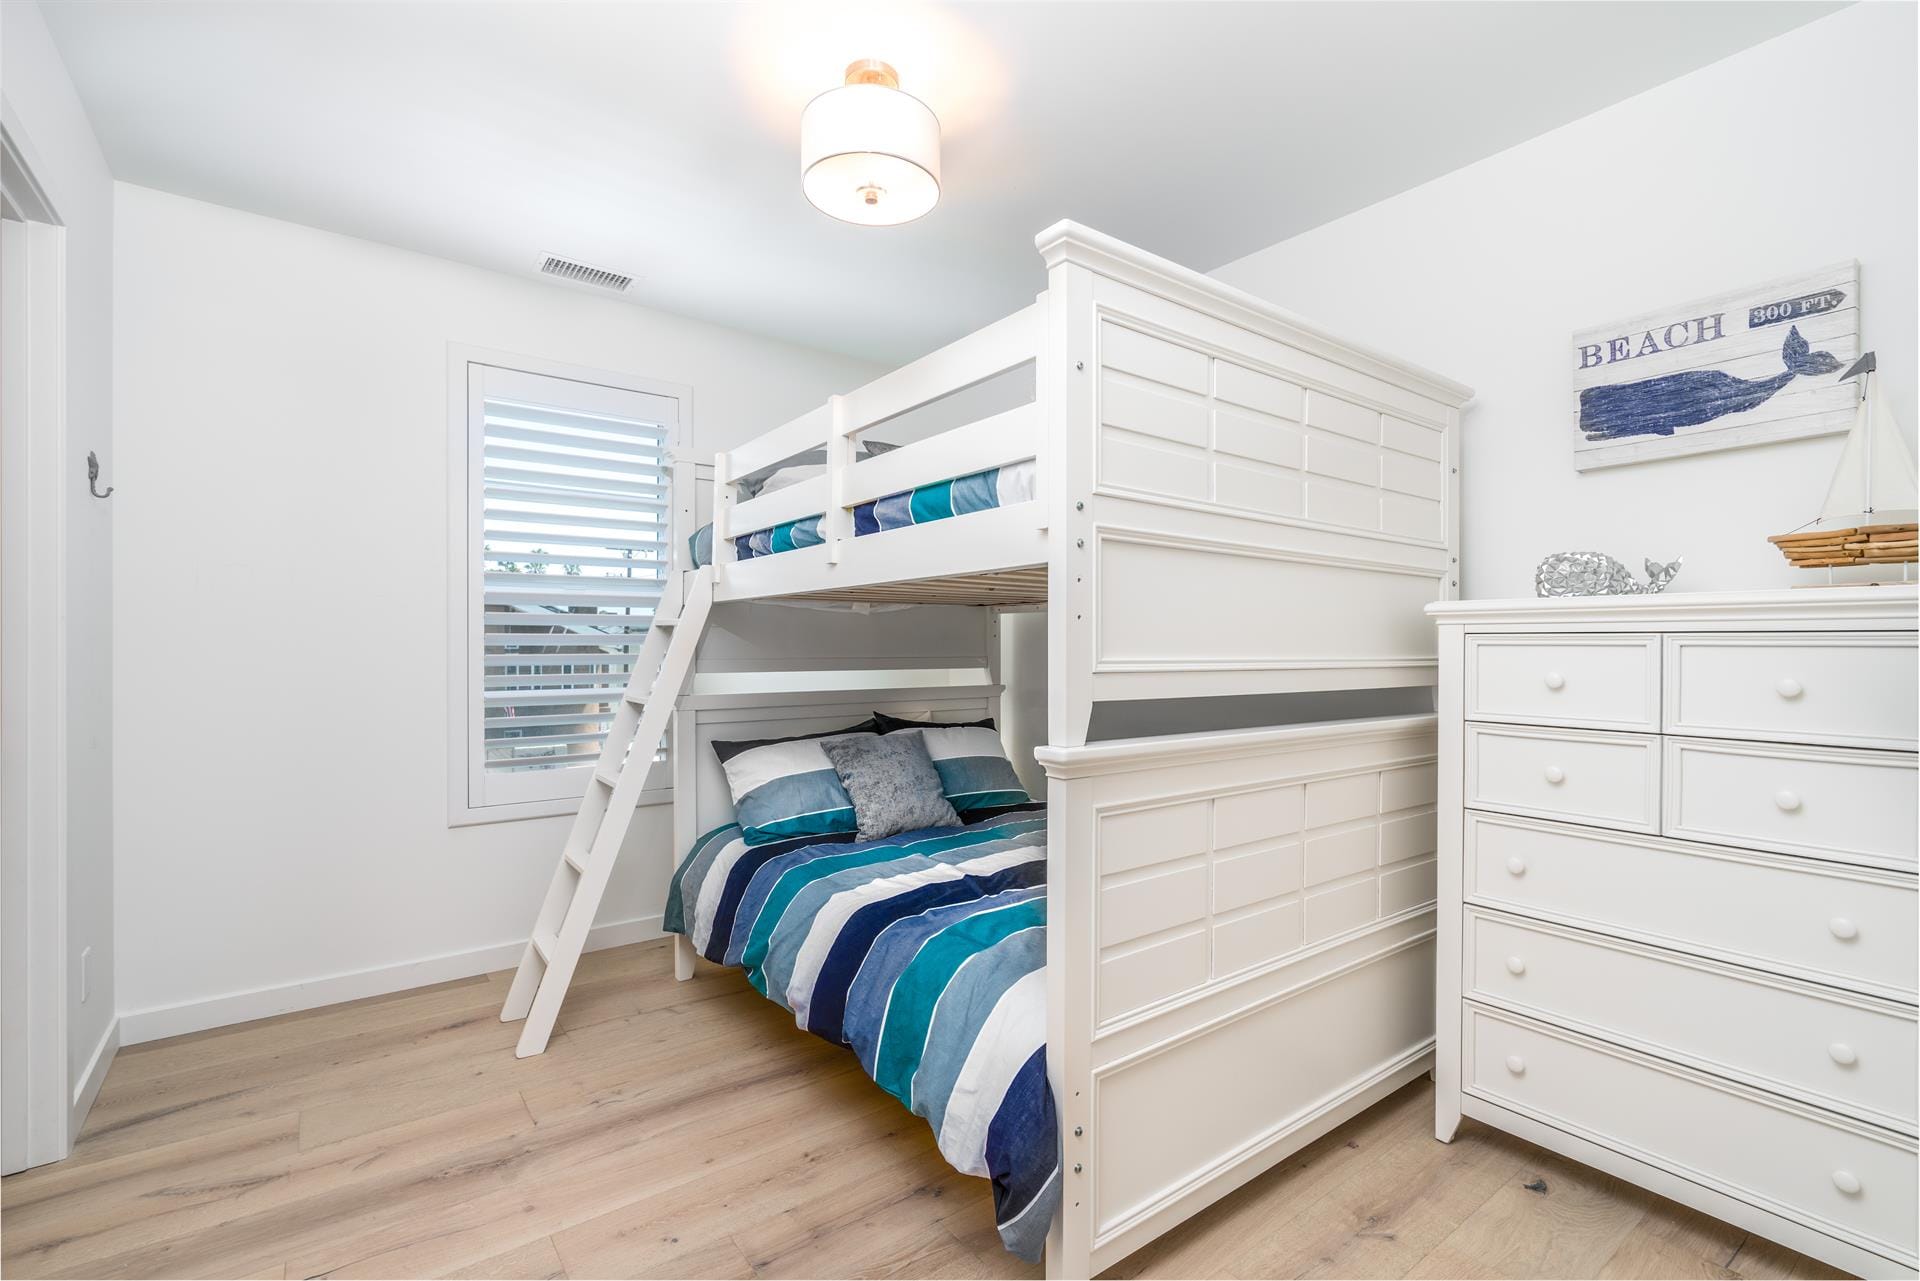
(1596, 574)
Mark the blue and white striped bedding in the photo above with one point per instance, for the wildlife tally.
(975, 492)
(925, 954)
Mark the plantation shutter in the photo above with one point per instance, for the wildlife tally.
(572, 532)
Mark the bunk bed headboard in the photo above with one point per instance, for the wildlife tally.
(1241, 502)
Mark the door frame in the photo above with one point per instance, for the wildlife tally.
(36, 1115)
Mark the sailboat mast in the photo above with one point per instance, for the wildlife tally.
(1866, 489)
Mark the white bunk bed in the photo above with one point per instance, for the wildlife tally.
(1227, 501)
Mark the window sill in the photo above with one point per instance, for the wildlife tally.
(564, 806)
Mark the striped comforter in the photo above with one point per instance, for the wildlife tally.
(976, 492)
(925, 954)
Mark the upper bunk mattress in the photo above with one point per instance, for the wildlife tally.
(925, 954)
(975, 492)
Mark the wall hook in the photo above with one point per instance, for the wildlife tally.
(93, 475)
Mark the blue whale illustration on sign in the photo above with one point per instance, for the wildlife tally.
(1656, 406)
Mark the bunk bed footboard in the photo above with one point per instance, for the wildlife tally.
(1240, 958)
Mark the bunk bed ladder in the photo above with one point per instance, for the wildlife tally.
(660, 672)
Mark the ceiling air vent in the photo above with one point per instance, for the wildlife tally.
(581, 274)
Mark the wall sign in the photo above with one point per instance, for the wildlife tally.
(1745, 368)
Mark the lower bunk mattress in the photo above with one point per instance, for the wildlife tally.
(976, 492)
(925, 954)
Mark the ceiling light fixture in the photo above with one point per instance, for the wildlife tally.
(869, 153)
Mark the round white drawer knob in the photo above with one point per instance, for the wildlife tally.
(1847, 1182)
(1516, 966)
(1516, 866)
(1787, 800)
(1555, 774)
(1555, 680)
(1516, 1064)
(1788, 687)
(1841, 928)
(1842, 1053)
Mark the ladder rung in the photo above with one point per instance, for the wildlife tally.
(578, 862)
(611, 780)
(664, 622)
(545, 945)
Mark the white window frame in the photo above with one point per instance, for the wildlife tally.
(465, 442)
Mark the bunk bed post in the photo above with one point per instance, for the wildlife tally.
(685, 752)
(1064, 384)
(686, 759)
(1450, 448)
(836, 524)
(723, 545)
(993, 675)
(1042, 464)
(1070, 1002)
(685, 486)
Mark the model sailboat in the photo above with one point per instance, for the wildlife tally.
(1872, 512)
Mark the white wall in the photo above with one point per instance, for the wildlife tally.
(1791, 155)
(45, 116)
(281, 543)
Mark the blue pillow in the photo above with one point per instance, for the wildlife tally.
(786, 787)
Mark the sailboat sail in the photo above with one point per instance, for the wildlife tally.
(1874, 483)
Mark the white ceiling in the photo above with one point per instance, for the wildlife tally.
(661, 139)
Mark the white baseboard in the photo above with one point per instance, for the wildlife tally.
(87, 1088)
(137, 1026)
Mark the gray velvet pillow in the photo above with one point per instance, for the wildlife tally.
(893, 783)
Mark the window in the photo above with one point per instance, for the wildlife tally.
(561, 539)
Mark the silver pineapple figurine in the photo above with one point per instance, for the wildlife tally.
(1597, 574)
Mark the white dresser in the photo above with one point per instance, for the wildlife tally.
(1677, 900)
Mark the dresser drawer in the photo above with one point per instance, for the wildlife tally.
(1856, 690)
(1591, 682)
(1853, 1181)
(1852, 1054)
(1847, 926)
(1612, 780)
(1821, 802)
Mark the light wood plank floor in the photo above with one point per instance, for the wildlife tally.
(689, 1130)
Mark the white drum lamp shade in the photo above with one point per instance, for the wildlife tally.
(870, 154)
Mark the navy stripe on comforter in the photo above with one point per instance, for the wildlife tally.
(925, 954)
